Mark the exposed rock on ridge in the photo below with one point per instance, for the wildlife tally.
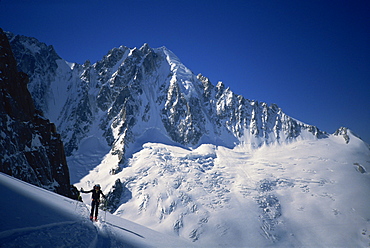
(30, 147)
(132, 94)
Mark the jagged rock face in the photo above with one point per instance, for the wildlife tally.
(133, 92)
(343, 131)
(39, 62)
(30, 148)
(118, 195)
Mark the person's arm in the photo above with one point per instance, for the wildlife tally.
(101, 192)
(83, 191)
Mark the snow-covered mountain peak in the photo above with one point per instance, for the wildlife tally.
(348, 136)
(176, 65)
(151, 88)
(145, 48)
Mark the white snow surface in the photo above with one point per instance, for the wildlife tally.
(34, 217)
(309, 193)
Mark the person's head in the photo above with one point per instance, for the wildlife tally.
(97, 186)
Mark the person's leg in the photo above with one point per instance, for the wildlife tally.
(96, 209)
(92, 209)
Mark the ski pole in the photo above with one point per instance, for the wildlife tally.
(77, 199)
(76, 205)
(105, 210)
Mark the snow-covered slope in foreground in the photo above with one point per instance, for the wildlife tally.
(309, 193)
(34, 217)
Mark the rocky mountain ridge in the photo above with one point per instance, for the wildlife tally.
(133, 91)
(30, 147)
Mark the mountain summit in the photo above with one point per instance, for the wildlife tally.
(132, 94)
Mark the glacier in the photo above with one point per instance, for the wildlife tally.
(309, 193)
(191, 159)
(214, 196)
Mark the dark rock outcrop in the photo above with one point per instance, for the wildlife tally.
(30, 147)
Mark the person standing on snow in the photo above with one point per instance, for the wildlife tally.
(96, 192)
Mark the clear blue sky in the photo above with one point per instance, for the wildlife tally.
(311, 58)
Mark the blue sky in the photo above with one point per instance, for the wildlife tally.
(311, 58)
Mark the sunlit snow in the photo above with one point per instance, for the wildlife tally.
(308, 193)
(34, 217)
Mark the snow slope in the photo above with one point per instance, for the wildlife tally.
(34, 217)
(309, 193)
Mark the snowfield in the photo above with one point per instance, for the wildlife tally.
(34, 217)
(309, 193)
